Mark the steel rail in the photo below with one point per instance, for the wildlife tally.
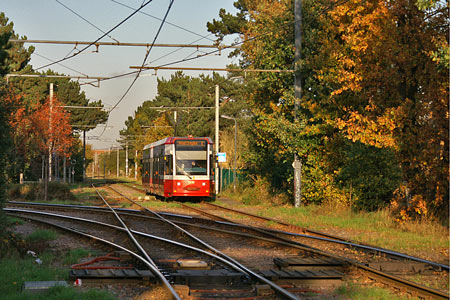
(138, 245)
(375, 273)
(154, 270)
(230, 223)
(399, 282)
(155, 237)
(328, 237)
(274, 286)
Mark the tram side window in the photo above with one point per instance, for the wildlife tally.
(169, 165)
(162, 163)
(212, 164)
(154, 170)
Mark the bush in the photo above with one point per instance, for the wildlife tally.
(35, 192)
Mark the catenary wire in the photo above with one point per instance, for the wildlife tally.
(143, 63)
(337, 3)
(86, 20)
(167, 22)
(69, 68)
(93, 43)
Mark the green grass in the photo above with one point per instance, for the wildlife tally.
(159, 204)
(73, 256)
(376, 228)
(14, 271)
(358, 292)
(85, 193)
(14, 220)
(41, 235)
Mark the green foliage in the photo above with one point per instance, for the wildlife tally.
(181, 91)
(357, 292)
(35, 192)
(372, 72)
(5, 144)
(14, 271)
(41, 235)
(27, 95)
(74, 255)
(371, 174)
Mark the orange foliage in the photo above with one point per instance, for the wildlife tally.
(31, 128)
(392, 91)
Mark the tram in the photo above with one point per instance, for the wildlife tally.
(179, 167)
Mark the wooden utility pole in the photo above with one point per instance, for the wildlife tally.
(298, 95)
(118, 162)
(50, 134)
(84, 155)
(135, 164)
(126, 159)
(216, 142)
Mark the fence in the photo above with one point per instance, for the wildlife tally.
(227, 177)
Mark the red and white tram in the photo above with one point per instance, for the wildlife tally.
(179, 167)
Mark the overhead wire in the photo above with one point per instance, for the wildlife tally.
(178, 49)
(69, 68)
(93, 43)
(337, 3)
(138, 72)
(143, 62)
(84, 19)
(167, 22)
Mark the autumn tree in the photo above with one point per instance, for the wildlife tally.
(375, 96)
(154, 119)
(393, 90)
(11, 58)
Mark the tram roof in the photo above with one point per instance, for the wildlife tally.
(171, 140)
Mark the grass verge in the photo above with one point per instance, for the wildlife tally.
(426, 238)
(14, 271)
(357, 292)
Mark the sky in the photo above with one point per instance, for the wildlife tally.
(51, 20)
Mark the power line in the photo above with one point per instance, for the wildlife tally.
(170, 53)
(84, 19)
(337, 3)
(167, 22)
(234, 45)
(120, 23)
(143, 63)
(34, 53)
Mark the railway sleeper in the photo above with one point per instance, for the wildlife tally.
(298, 263)
(400, 267)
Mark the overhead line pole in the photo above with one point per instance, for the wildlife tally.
(50, 134)
(216, 142)
(297, 164)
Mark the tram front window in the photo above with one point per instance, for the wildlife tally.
(190, 157)
(191, 167)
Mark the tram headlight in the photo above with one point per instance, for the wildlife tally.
(178, 183)
(204, 184)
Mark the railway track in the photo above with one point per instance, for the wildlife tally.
(317, 235)
(240, 270)
(393, 281)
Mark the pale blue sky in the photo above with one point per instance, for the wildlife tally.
(49, 20)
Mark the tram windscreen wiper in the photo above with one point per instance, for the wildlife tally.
(183, 171)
